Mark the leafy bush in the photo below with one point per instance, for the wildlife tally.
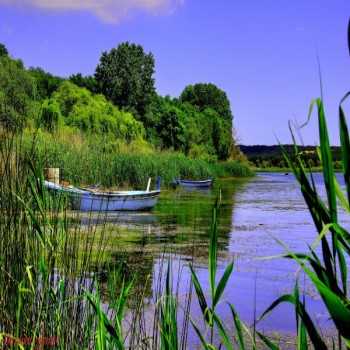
(181, 126)
(50, 115)
(46, 83)
(17, 93)
(93, 113)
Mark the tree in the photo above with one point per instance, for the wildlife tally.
(171, 128)
(17, 93)
(46, 83)
(125, 76)
(50, 114)
(88, 82)
(222, 138)
(92, 113)
(165, 124)
(208, 96)
(171, 123)
(3, 50)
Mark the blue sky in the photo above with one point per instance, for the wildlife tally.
(262, 53)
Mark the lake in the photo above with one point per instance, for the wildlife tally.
(253, 214)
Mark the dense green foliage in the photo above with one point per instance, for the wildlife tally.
(88, 82)
(50, 115)
(181, 126)
(208, 96)
(91, 113)
(120, 100)
(46, 257)
(3, 50)
(96, 160)
(46, 83)
(125, 76)
(17, 93)
(50, 287)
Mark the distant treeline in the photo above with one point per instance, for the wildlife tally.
(271, 156)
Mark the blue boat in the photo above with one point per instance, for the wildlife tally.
(89, 200)
(194, 183)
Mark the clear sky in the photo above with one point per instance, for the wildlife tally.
(262, 53)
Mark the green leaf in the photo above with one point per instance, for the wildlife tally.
(201, 337)
(343, 268)
(345, 148)
(301, 331)
(238, 325)
(268, 342)
(104, 323)
(311, 329)
(222, 284)
(200, 295)
(327, 162)
(342, 199)
(339, 312)
(212, 261)
(223, 333)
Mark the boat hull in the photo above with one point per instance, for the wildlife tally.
(115, 203)
(195, 184)
(85, 200)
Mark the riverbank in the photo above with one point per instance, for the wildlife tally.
(95, 259)
(287, 170)
(97, 160)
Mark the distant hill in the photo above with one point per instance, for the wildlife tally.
(271, 156)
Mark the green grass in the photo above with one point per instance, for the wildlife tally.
(97, 161)
(50, 276)
(327, 271)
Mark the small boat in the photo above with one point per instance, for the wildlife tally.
(88, 200)
(194, 183)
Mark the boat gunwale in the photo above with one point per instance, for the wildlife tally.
(195, 181)
(140, 195)
(100, 195)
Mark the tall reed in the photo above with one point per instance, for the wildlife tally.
(328, 272)
(50, 287)
(98, 161)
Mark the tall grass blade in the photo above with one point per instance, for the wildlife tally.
(238, 326)
(345, 146)
(339, 311)
(268, 342)
(327, 162)
(212, 261)
(223, 333)
(168, 319)
(222, 283)
(205, 345)
(301, 331)
(200, 295)
(311, 329)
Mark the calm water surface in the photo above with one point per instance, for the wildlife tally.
(253, 213)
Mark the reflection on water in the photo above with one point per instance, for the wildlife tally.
(253, 213)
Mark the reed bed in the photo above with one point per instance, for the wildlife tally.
(98, 161)
(56, 286)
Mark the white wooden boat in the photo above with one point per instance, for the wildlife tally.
(88, 200)
(194, 183)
